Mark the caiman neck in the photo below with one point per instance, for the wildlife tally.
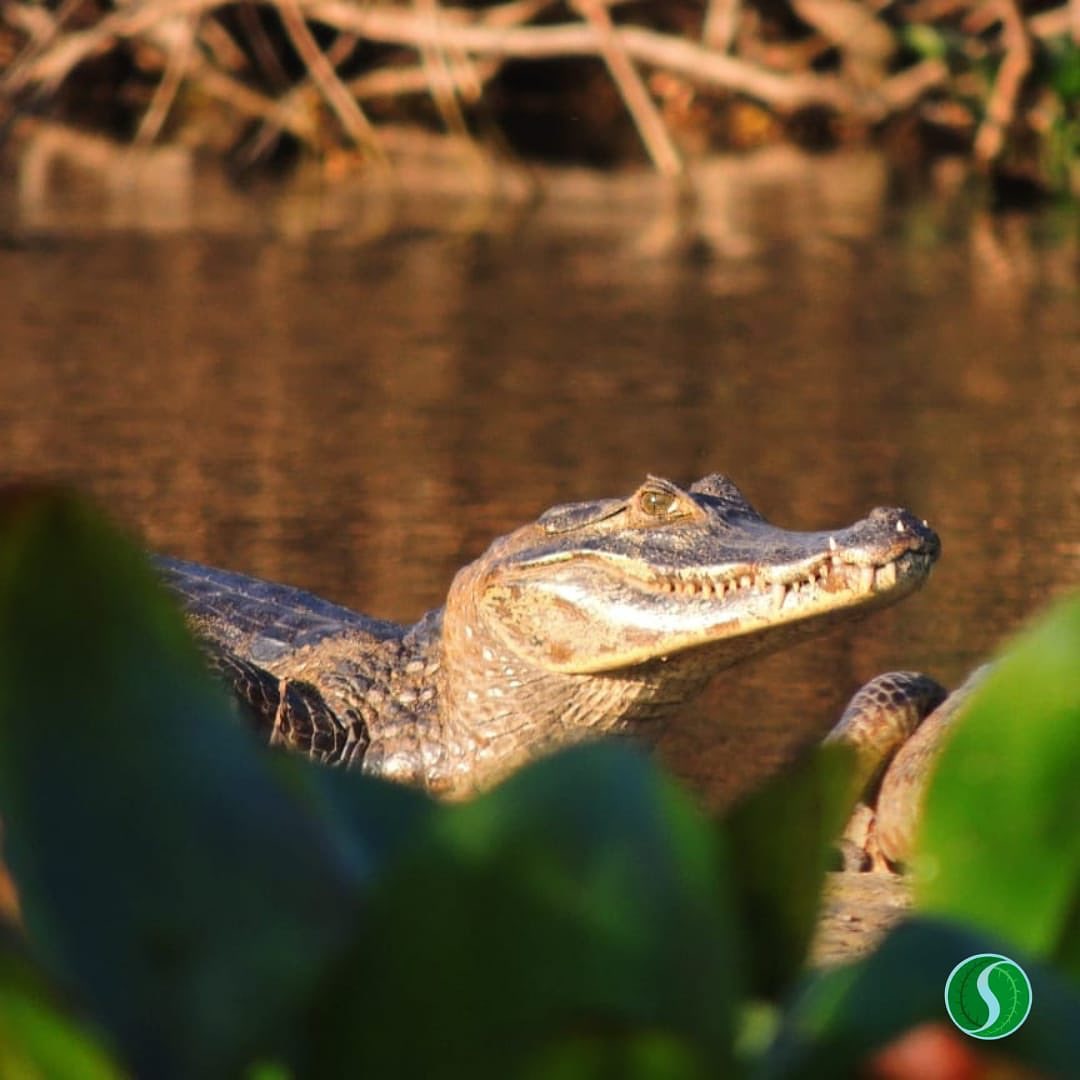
(498, 710)
(449, 711)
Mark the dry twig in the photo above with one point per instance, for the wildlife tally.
(639, 103)
(721, 22)
(352, 118)
(484, 39)
(443, 81)
(1001, 108)
(177, 62)
(458, 50)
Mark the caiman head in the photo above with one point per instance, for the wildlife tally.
(604, 613)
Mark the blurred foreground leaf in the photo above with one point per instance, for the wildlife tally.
(639, 1055)
(842, 1016)
(543, 930)
(999, 847)
(165, 873)
(783, 839)
(36, 1039)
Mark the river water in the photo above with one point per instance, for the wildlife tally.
(355, 393)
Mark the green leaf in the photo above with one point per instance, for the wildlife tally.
(926, 41)
(634, 1056)
(366, 820)
(571, 911)
(999, 846)
(37, 1040)
(164, 870)
(1065, 68)
(782, 839)
(842, 1016)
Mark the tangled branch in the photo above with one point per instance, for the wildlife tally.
(452, 54)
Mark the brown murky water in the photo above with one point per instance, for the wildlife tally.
(359, 411)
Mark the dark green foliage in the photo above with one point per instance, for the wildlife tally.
(1062, 143)
(166, 874)
(843, 1015)
(36, 1039)
(1000, 844)
(781, 845)
(214, 909)
(1064, 68)
(582, 904)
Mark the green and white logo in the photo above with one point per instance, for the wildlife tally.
(988, 996)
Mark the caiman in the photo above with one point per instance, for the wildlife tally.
(599, 617)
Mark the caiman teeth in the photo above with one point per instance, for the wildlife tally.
(863, 579)
(885, 577)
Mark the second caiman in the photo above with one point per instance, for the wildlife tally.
(599, 617)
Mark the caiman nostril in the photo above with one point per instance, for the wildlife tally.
(905, 524)
(908, 524)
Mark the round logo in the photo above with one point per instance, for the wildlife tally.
(988, 996)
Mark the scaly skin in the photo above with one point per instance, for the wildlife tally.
(598, 618)
(896, 724)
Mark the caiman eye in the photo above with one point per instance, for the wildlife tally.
(659, 503)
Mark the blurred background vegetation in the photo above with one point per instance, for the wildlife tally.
(599, 82)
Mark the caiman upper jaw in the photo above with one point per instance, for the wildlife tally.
(899, 542)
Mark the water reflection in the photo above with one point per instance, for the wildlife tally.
(362, 418)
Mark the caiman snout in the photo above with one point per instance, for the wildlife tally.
(906, 525)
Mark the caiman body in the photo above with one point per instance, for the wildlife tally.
(600, 617)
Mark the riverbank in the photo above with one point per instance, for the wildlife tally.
(263, 86)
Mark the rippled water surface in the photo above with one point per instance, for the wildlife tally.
(359, 410)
